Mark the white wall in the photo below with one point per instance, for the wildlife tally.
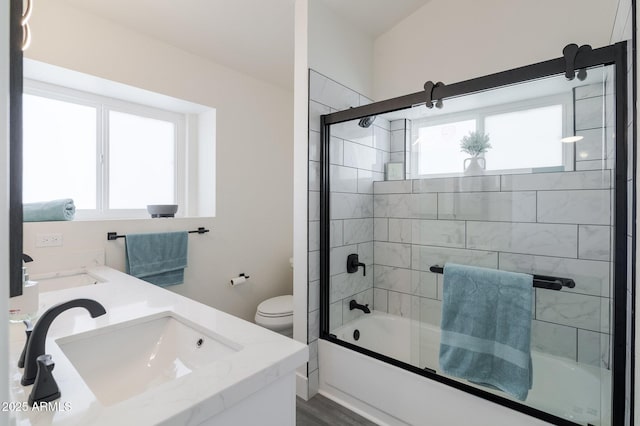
(339, 50)
(622, 25)
(300, 166)
(4, 204)
(327, 43)
(252, 230)
(439, 42)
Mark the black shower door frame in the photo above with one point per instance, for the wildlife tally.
(622, 379)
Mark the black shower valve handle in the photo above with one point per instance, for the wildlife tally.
(353, 263)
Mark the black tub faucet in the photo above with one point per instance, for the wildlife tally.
(355, 305)
(36, 343)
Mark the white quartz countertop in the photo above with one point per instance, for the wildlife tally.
(264, 356)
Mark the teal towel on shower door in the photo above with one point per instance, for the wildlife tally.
(486, 328)
(157, 258)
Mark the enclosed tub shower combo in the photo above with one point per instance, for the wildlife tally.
(528, 171)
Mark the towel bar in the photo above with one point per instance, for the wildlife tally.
(114, 235)
(539, 281)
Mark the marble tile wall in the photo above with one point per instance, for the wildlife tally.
(361, 155)
(557, 221)
(591, 103)
(357, 159)
(400, 137)
(549, 224)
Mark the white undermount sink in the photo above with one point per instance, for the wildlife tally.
(66, 279)
(124, 360)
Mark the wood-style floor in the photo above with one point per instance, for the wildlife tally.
(320, 411)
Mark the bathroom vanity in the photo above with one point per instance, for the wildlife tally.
(157, 358)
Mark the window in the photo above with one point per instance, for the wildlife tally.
(146, 148)
(516, 143)
(112, 157)
(59, 151)
(513, 132)
(439, 146)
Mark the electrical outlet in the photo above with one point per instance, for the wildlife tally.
(48, 240)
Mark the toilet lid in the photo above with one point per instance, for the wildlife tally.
(277, 306)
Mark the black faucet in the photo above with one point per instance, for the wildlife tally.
(46, 388)
(36, 343)
(355, 305)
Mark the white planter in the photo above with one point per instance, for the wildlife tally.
(473, 167)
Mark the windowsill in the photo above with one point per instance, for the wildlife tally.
(140, 219)
(123, 214)
(534, 170)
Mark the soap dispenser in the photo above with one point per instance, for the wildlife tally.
(25, 306)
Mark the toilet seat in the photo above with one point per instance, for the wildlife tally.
(276, 307)
(276, 314)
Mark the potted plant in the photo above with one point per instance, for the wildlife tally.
(475, 144)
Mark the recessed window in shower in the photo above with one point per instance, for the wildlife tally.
(537, 124)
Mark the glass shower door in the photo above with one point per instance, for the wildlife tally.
(404, 201)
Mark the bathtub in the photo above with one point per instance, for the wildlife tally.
(391, 395)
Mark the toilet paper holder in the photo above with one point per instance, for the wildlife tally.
(239, 279)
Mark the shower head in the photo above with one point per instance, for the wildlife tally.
(367, 121)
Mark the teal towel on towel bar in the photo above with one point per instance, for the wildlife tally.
(486, 328)
(47, 211)
(157, 258)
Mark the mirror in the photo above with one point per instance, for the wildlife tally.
(15, 150)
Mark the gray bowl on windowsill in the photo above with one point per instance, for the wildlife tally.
(162, 210)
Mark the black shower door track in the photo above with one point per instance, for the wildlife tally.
(609, 55)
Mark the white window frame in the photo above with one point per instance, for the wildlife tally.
(103, 106)
(479, 115)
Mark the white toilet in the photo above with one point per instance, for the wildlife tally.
(277, 314)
